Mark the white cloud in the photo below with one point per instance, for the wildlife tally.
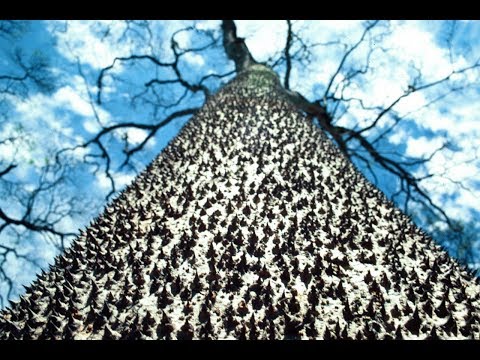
(80, 40)
(263, 37)
(136, 136)
(208, 24)
(91, 125)
(466, 200)
(69, 98)
(121, 180)
(46, 123)
(329, 30)
(79, 153)
(183, 39)
(66, 98)
(411, 43)
(67, 224)
(422, 146)
(398, 137)
(194, 59)
(124, 179)
(103, 181)
(167, 29)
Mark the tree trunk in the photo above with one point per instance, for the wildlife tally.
(250, 224)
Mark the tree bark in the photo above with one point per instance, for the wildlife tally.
(250, 224)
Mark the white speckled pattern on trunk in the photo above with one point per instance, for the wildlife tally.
(250, 224)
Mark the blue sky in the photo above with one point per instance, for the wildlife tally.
(78, 50)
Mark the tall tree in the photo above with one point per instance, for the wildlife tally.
(127, 116)
(250, 224)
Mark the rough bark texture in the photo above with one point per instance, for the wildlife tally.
(250, 224)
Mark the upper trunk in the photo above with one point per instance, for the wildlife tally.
(235, 47)
(250, 224)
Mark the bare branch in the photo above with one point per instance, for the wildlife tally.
(30, 226)
(105, 70)
(7, 169)
(287, 56)
(346, 55)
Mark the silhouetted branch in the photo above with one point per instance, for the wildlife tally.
(288, 59)
(346, 55)
(29, 225)
(7, 169)
(105, 70)
(27, 72)
(414, 88)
